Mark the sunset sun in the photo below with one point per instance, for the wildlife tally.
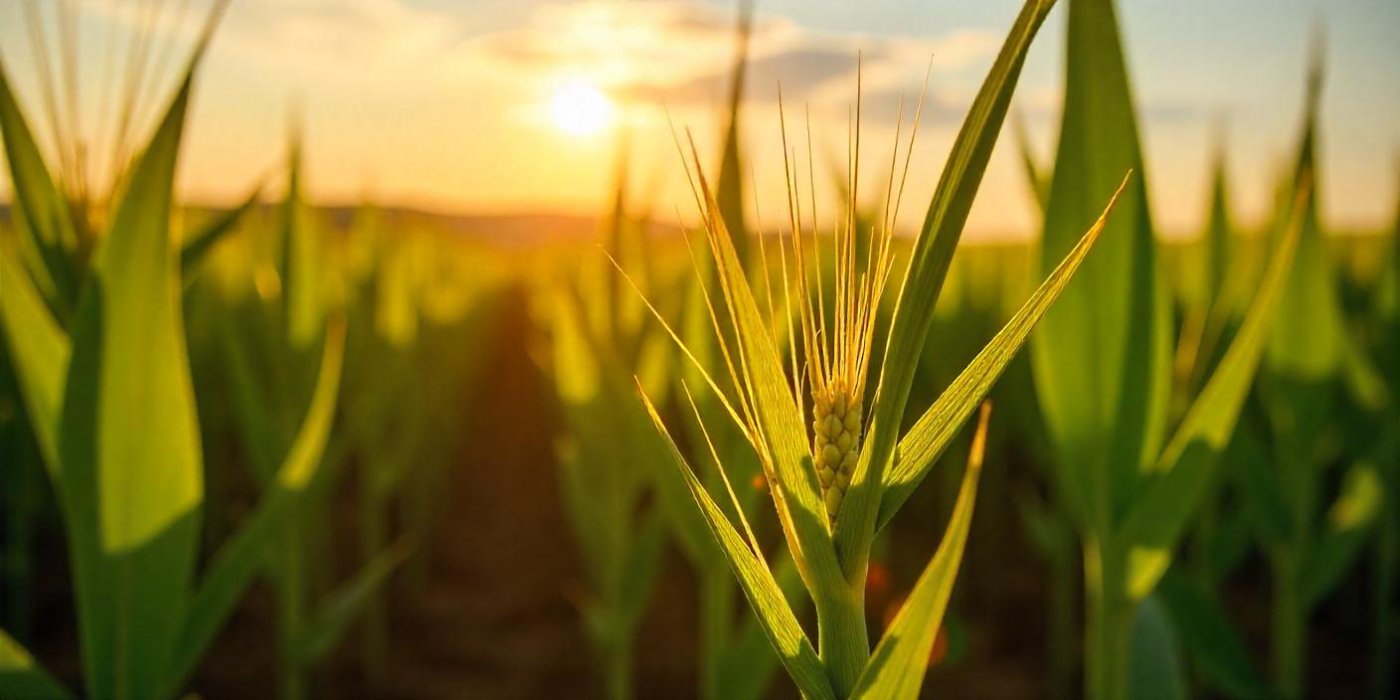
(580, 109)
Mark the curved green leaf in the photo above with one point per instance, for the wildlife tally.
(41, 352)
(896, 669)
(765, 596)
(194, 250)
(1156, 519)
(1102, 354)
(129, 438)
(239, 559)
(22, 677)
(925, 442)
(928, 268)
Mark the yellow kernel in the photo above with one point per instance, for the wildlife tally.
(833, 426)
(831, 455)
(843, 442)
(833, 501)
(853, 421)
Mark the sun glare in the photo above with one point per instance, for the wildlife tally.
(580, 109)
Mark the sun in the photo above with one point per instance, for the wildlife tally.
(580, 109)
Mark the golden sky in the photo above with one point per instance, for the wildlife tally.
(506, 107)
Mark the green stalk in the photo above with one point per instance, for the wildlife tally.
(618, 664)
(1110, 622)
(1061, 622)
(842, 640)
(1289, 644)
(716, 615)
(374, 630)
(1383, 639)
(291, 610)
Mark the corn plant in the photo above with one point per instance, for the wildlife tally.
(1102, 366)
(96, 337)
(1313, 368)
(1387, 545)
(269, 347)
(834, 493)
(599, 337)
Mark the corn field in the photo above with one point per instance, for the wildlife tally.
(712, 448)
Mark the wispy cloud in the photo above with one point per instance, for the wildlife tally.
(680, 53)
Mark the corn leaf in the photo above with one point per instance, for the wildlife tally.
(1102, 354)
(41, 352)
(44, 220)
(129, 438)
(925, 442)
(345, 603)
(896, 669)
(928, 268)
(1305, 343)
(240, 559)
(1348, 524)
(301, 282)
(197, 247)
(796, 493)
(22, 677)
(765, 597)
(1186, 464)
(746, 669)
(1036, 178)
(1214, 647)
(1154, 663)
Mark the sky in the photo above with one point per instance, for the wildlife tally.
(517, 106)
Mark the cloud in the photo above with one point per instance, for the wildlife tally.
(679, 53)
(344, 38)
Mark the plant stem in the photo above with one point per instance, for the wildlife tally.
(716, 619)
(1061, 613)
(291, 611)
(1110, 622)
(1289, 628)
(1382, 643)
(374, 628)
(619, 664)
(844, 644)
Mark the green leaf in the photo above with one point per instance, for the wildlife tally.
(1154, 664)
(198, 246)
(301, 257)
(747, 667)
(796, 494)
(22, 678)
(43, 217)
(1038, 181)
(241, 558)
(729, 188)
(1102, 354)
(129, 438)
(1187, 463)
(1306, 342)
(925, 442)
(1348, 525)
(1214, 647)
(762, 590)
(897, 667)
(41, 352)
(345, 603)
(1263, 495)
(928, 267)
